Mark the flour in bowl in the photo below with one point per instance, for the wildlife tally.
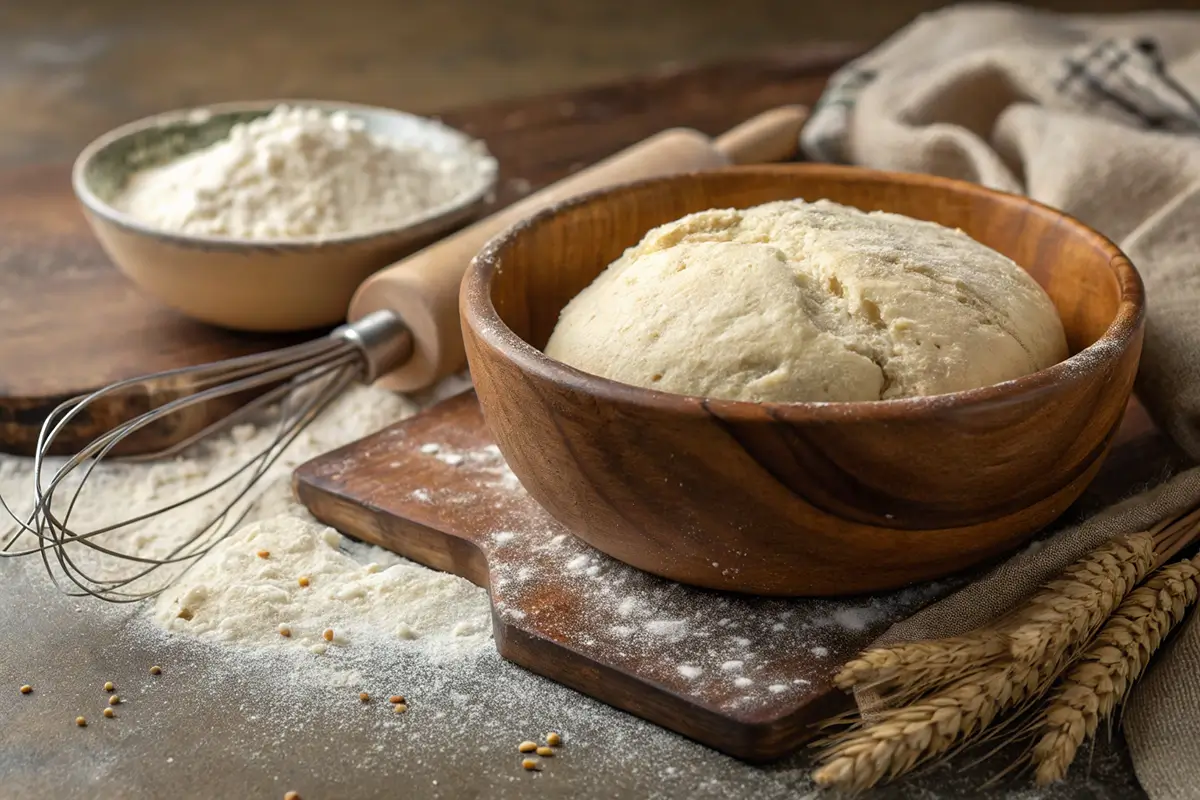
(302, 173)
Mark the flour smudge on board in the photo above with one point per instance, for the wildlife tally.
(741, 652)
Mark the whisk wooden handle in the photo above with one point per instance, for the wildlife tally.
(423, 288)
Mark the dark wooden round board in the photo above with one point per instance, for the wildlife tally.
(71, 323)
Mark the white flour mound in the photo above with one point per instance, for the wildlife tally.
(300, 173)
(248, 591)
(364, 593)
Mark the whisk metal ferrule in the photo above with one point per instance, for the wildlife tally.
(384, 339)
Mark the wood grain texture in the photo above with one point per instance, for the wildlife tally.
(665, 652)
(799, 499)
(71, 323)
(564, 610)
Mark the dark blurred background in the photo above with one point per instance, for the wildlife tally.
(71, 70)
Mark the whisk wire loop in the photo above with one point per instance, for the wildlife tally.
(292, 386)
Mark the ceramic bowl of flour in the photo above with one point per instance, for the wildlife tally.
(255, 217)
(798, 498)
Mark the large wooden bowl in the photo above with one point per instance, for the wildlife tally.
(803, 498)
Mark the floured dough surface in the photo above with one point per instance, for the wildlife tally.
(794, 301)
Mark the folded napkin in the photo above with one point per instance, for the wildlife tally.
(1098, 116)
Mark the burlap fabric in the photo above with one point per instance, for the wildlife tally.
(1097, 116)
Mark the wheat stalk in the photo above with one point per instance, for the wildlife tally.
(922, 663)
(1102, 677)
(900, 739)
(941, 693)
(1067, 611)
(1173, 534)
(1020, 655)
(1064, 611)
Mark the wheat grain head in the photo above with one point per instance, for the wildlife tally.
(1064, 611)
(900, 739)
(1068, 610)
(1102, 677)
(923, 663)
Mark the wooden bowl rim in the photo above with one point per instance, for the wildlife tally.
(480, 314)
(430, 221)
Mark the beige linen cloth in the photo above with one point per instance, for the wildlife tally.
(1098, 116)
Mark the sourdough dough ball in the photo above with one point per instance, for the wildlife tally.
(794, 301)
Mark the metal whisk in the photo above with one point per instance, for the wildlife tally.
(303, 380)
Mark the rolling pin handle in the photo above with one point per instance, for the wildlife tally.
(422, 290)
(770, 137)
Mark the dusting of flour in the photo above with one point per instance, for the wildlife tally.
(231, 594)
(248, 591)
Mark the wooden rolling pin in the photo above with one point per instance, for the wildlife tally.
(423, 288)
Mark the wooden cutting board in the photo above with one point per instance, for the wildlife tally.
(745, 675)
(70, 323)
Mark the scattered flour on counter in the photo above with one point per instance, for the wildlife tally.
(380, 607)
(236, 595)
